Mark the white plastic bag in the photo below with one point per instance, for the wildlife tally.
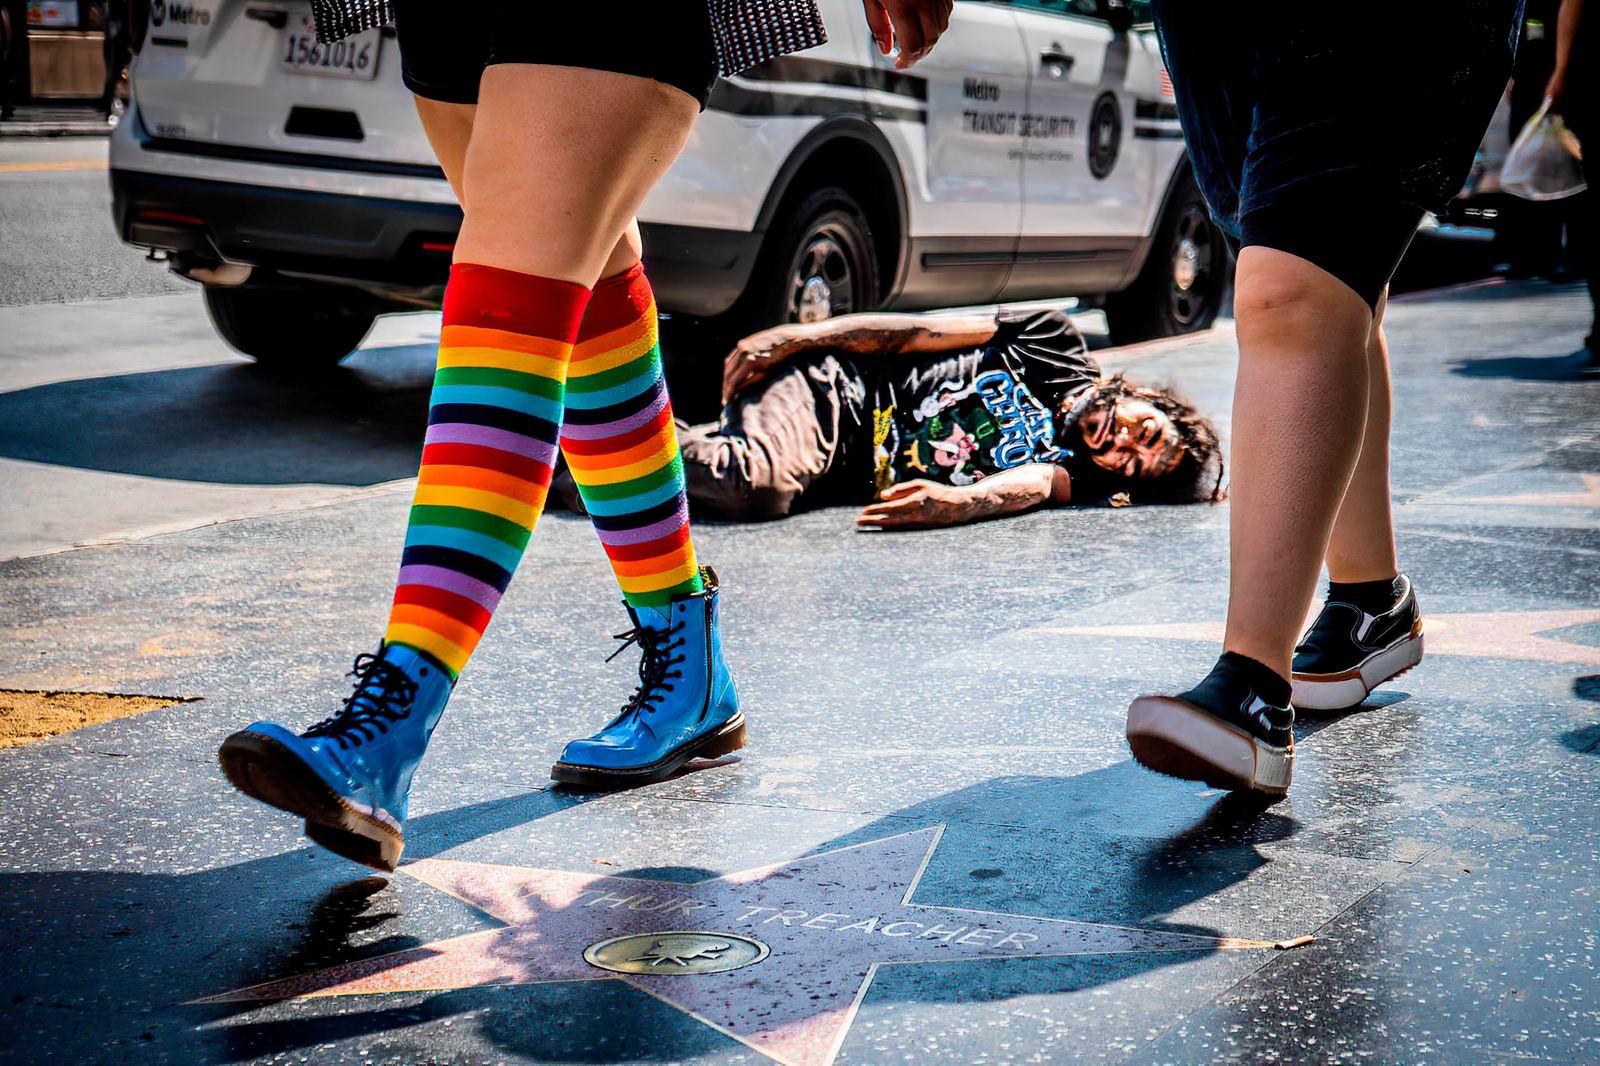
(1543, 163)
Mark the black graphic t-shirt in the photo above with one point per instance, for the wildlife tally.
(958, 418)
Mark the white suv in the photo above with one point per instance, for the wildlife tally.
(1035, 153)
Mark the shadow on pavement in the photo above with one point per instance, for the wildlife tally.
(232, 424)
(1581, 365)
(1585, 740)
(102, 963)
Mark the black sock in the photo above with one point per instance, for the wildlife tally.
(1262, 679)
(1373, 597)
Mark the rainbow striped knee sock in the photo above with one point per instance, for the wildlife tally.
(622, 447)
(493, 422)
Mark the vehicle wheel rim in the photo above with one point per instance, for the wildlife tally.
(1194, 254)
(822, 283)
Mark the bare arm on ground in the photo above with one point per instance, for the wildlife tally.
(872, 334)
(928, 504)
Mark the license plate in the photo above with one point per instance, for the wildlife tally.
(354, 57)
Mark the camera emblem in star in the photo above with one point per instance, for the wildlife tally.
(682, 953)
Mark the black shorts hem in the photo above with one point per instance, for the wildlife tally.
(443, 57)
(1358, 240)
(444, 94)
(462, 94)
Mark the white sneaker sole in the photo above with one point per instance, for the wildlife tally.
(1174, 738)
(1338, 692)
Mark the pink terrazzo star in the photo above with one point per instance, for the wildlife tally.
(830, 919)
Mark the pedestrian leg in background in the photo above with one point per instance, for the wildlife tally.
(1584, 227)
(14, 70)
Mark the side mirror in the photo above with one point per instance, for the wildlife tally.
(1117, 13)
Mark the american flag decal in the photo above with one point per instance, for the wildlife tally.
(1166, 83)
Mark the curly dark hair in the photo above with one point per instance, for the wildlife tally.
(1198, 476)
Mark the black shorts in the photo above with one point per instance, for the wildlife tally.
(444, 48)
(1326, 131)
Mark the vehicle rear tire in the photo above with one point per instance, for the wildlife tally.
(290, 327)
(1181, 287)
(819, 262)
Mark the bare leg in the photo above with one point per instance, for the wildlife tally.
(449, 130)
(1299, 413)
(559, 160)
(1362, 545)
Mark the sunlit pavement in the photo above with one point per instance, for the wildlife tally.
(949, 701)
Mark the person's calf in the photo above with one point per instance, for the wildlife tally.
(1299, 415)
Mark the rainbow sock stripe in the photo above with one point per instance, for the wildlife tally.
(622, 447)
(493, 422)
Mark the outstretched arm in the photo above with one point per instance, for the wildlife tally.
(870, 334)
(927, 504)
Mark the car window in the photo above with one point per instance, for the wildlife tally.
(1089, 9)
(1081, 8)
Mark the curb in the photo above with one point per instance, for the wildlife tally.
(46, 129)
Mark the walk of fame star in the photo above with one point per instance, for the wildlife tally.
(830, 920)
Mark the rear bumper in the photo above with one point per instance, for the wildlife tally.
(401, 243)
(357, 238)
(360, 236)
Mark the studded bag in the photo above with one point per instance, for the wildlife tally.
(746, 32)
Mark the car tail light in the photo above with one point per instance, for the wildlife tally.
(156, 214)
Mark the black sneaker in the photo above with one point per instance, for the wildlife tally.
(1347, 652)
(1221, 731)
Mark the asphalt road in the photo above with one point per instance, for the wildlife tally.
(148, 422)
(57, 242)
(122, 414)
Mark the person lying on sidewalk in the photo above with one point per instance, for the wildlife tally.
(939, 419)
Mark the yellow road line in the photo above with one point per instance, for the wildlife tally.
(71, 164)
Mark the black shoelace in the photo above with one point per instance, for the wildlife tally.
(383, 694)
(655, 664)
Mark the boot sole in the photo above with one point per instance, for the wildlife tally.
(1173, 738)
(1341, 691)
(266, 770)
(723, 741)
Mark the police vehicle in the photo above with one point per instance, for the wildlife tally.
(1036, 153)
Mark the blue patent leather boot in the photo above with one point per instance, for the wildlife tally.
(349, 776)
(685, 707)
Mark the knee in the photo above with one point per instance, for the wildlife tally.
(1293, 296)
(1273, 293)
